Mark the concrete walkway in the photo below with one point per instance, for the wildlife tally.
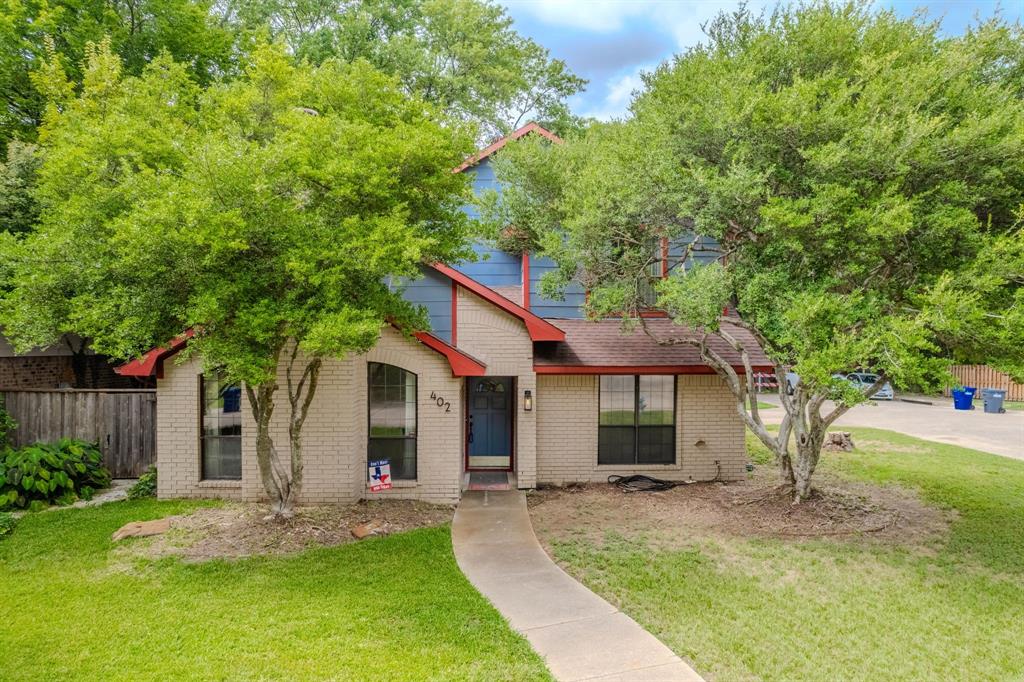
(579, 634)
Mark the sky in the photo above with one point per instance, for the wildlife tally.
(611, 42)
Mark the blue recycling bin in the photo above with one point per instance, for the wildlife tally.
(963, 398)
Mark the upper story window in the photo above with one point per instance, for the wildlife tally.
(220, 428)
(656, 270)
(392, 408)
(637, 417)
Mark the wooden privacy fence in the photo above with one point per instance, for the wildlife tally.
(983, 376)
(123, 422)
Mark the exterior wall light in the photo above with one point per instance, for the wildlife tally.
(528, 401)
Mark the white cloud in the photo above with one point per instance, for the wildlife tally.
(590, 15)
(618, 94)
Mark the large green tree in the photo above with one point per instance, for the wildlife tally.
(139, 30)
(862, 176)
(266, 214)
(465, 55)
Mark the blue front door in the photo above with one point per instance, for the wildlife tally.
(491, 401)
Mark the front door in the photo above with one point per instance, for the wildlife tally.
(489, 428)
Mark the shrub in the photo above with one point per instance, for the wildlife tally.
(51, 473)
(7, 524)
(145, 486)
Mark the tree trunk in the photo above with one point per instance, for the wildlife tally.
(803, 410)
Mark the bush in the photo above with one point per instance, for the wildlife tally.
(7, 524)
(51, 473)
(145, 486)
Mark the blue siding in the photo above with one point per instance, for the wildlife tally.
(707, 250)
(493, 268)
(574, 296)
(483, 179)
(434, 292)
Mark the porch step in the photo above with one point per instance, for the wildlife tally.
(488, 480)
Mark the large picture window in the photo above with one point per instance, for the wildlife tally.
(637, 420)
(220, 428)
(393, 418)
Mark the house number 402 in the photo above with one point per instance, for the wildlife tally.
(441, 402)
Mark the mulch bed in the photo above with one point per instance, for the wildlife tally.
(240, 530)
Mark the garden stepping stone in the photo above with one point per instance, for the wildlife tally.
(141, 529)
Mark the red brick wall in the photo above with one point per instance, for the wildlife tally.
(51, 371)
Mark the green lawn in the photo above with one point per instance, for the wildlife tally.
(1013, 405)
(393, 608)
(841, 609)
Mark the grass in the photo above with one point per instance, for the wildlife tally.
(850, 609)
(1013, 405)
(394, 608)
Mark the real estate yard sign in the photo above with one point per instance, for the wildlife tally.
(380, 475)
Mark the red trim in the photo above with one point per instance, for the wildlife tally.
(526, 280)
(462, 365)
(664, 257)
(633, 369)
(539, 328)
(455, 313)
(530, 127)
(152, 362)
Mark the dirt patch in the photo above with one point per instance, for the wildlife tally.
(240, 530)
(754, 508)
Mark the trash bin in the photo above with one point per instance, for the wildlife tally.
(993, 398)
(963, 398)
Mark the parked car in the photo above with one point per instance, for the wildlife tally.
(861, 380)
(864, 380)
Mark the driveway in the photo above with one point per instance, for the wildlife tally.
(1000, 434)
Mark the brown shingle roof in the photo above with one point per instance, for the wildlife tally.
(604, 344)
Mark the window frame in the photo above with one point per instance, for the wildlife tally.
(416, 417)
(204, 439)
(636, 422)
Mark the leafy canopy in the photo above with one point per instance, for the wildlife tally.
(462, 54)
(139, 30)
(863, 174)
(275, 206)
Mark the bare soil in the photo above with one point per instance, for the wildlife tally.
(756, 508)
(240, 530)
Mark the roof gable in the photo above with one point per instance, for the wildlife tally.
(531, 127)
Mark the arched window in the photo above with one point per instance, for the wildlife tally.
(392, 407)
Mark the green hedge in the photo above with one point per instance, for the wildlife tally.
(42, 474)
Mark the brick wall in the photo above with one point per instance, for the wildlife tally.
(501, 341)
(334, 434)
(54, 371)
(707, 429)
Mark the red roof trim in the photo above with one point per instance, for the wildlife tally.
(538, 328)
(152, 362)
(530, 127)
(633, 369)
(462, 365)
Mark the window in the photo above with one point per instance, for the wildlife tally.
(220, 428)
(393, 418)
(637, 420)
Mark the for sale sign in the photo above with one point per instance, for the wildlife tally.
(380, 475)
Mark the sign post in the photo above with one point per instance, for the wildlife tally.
(380, 475)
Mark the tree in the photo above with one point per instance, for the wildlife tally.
(462, 54)
(267, 215)
(18, 208)
(861, 175)
(139, 30)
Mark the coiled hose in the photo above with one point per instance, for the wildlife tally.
(638, 483)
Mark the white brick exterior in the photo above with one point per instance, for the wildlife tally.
(334, 435)
(707, 429)
(555, 443)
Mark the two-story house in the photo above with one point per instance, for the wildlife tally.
(505, 380)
